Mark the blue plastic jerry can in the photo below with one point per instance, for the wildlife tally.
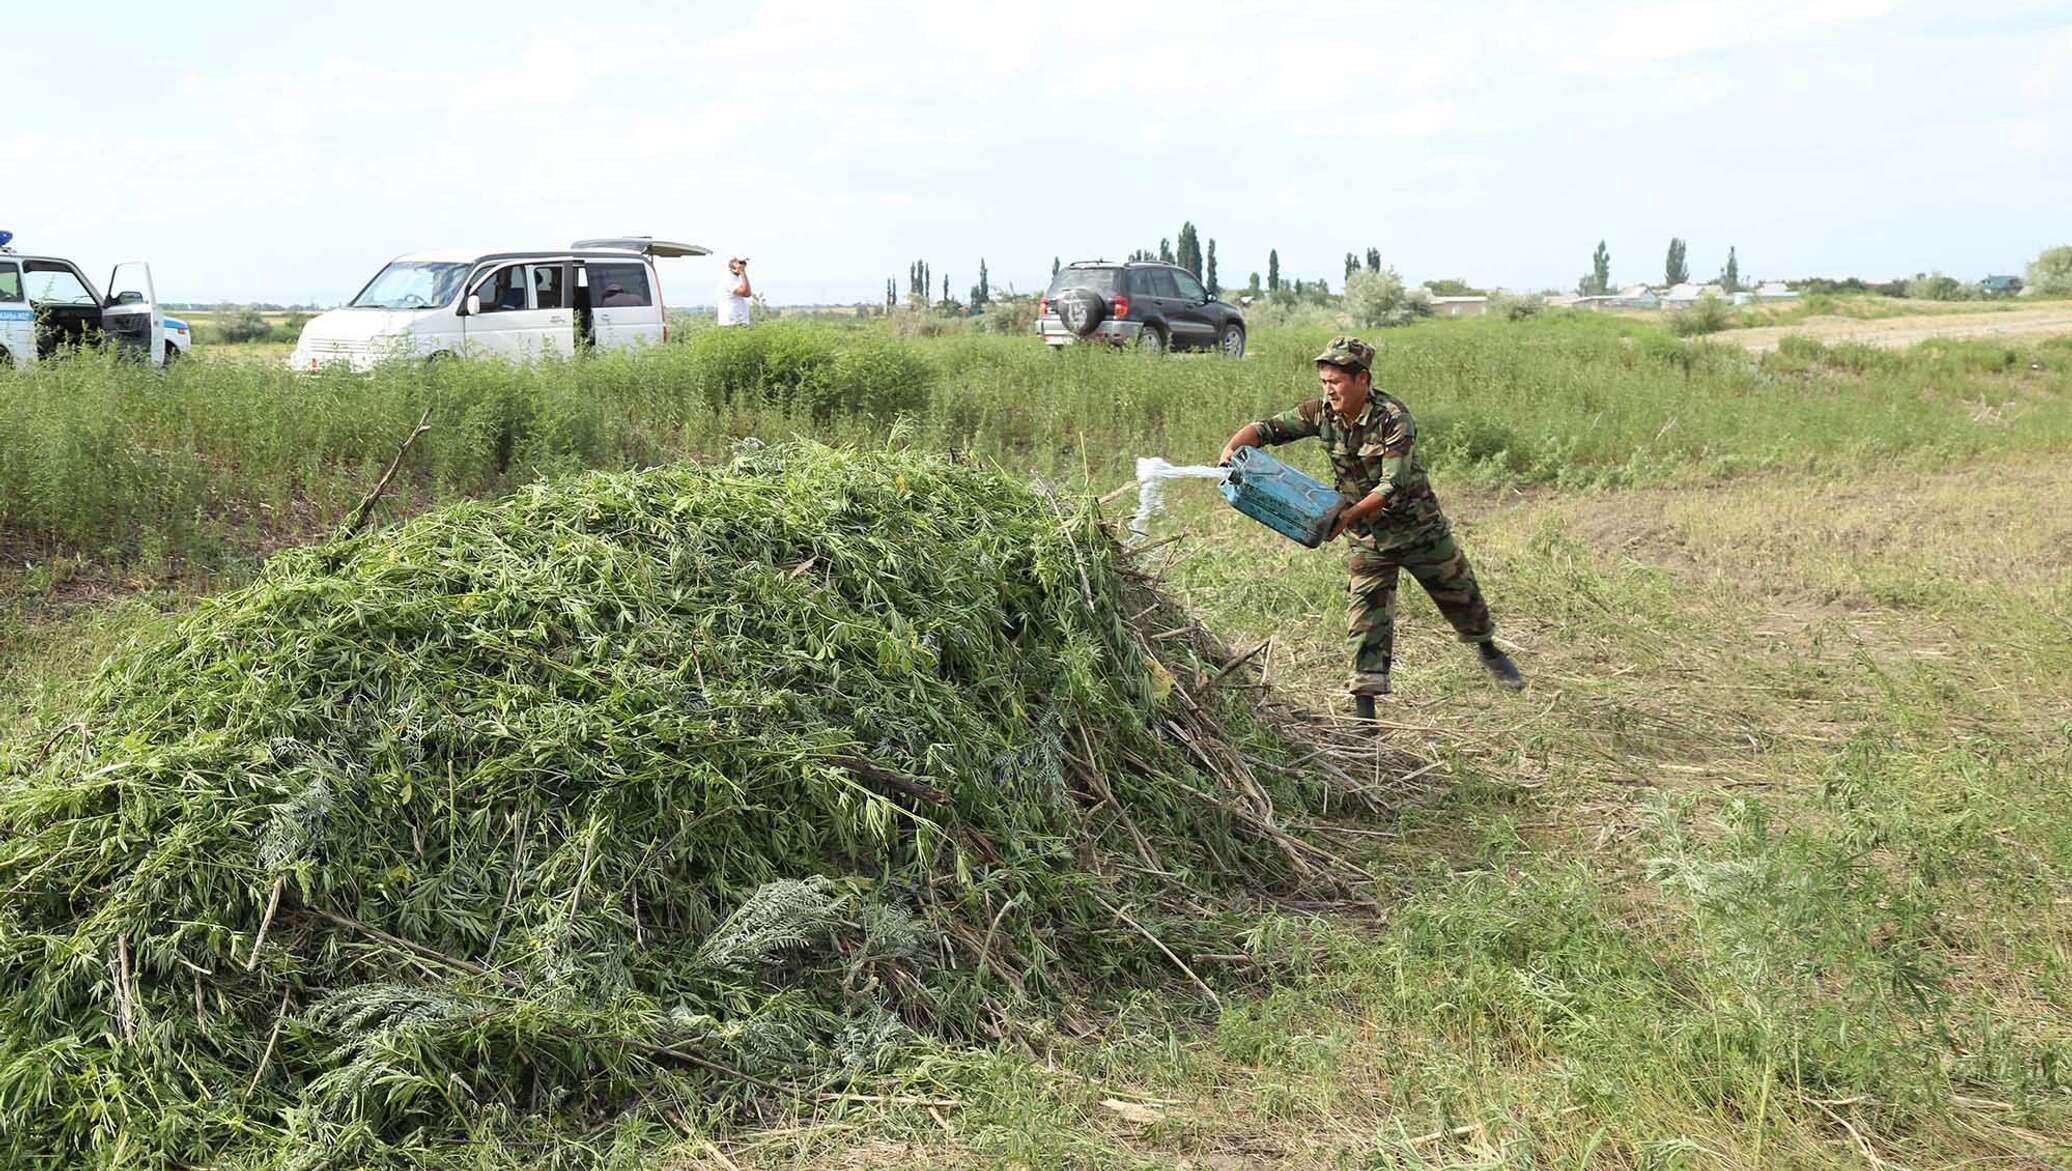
(1281, 498)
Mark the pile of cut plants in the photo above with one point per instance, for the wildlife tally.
(626, 804)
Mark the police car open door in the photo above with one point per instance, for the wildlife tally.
(129, 317)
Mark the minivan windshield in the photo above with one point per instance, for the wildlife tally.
(1100, 280)
(412, 285)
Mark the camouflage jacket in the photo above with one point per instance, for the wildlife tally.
(1377, 449)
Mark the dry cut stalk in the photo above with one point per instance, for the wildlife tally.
(273, 903)
(1160, 945)
(367, 506)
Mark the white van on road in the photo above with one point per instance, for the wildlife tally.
(515, 305)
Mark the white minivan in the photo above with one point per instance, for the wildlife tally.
(515, 305)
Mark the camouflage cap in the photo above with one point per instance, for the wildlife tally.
(1348, 353)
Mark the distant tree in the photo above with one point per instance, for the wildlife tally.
(1273, 270)
(982, 293)
(240, 323)
(1452, 287)
(1189, 252)
(2050, 274)
(1374, 260)
(946, 287)
(1352, 264)
(1730, 276)
(1055, 266)
(1252, 286)
(1165, 251)
(891, 299)
(1939, 287)
(1674, 270)
(1378, 298)
(1210, 280)
(1599, 280)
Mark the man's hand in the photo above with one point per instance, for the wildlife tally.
(1355, 514)
(1246, 436)
(1339, 523)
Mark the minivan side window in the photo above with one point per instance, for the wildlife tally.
(617, 286)
(10, 283)
(1190, 289)
(504, 291)
(547, 280)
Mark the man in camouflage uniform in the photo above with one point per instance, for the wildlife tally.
(1392, 519)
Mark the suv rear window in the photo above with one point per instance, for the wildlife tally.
(1100, 280)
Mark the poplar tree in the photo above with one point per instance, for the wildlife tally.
(1374, 260)
(1273, 270)
(1211, 278)
(1189, 253)
(1352, 264)
(1674, 270)
(1730, 277)
(1165, 251)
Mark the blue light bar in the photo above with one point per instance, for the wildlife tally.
(5, 237)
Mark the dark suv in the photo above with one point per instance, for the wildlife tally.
(1150, 306)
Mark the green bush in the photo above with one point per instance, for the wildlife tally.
(1938, 287)
(1516, 306)
(1709, 315)
(807, 370)
(236, 324)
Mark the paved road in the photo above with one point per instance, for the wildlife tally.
(1894, 332)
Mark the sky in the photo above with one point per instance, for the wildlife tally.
(284, 152)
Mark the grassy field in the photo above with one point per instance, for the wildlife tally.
(1772, 866)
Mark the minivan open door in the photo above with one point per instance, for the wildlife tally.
(648, 244)
(129, 317)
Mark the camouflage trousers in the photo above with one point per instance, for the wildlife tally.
(1438, 564)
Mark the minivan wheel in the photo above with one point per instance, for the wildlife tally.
(172, 354)
(1150, 340)
(1233, 341)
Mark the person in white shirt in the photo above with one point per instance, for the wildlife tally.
(734, 293)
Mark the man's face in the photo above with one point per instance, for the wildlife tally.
(735, 267)
(1345, 390)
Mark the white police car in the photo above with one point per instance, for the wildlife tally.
(47, 303)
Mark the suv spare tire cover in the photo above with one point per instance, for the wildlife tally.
(1081, 310)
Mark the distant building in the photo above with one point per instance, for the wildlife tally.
(1634, 297)
(1459, 306)
(2001, 286)
(1687, 294)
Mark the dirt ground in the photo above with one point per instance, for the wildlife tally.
(1894, 332)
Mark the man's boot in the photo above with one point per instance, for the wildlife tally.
(1500, 666)
(1365, 686)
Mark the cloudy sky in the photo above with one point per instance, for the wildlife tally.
(271, 151)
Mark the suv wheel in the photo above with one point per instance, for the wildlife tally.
(1151, 340)
(172, 354)
(1232, 343)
